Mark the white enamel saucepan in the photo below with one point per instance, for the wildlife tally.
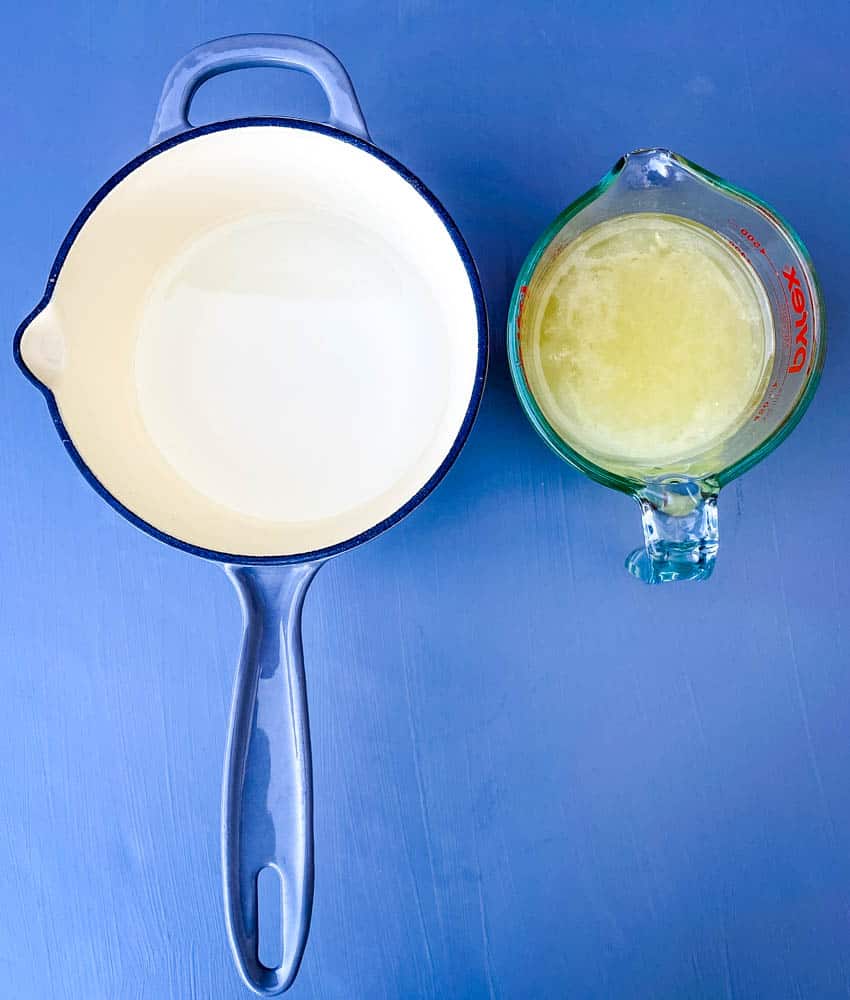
(263, 341)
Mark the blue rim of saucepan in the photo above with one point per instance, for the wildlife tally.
(475, 286)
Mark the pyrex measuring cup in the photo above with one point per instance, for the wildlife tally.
(679, 501)
(263, 341)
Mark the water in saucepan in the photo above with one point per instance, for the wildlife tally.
(289, 367)
(650, 341)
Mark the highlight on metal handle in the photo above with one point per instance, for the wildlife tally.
(267, 794)
(245, 51)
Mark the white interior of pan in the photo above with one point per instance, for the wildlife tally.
(263, 341)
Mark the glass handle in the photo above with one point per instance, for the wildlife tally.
(267, 793)
(244, 51)
(679, 531)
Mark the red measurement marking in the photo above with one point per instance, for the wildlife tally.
(523, 294)
(742, 253)
(772, 395)
(797, 296)
(739, 250)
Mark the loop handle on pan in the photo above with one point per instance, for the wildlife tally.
(247, 51)
(267, 791)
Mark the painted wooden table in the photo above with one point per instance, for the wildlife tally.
(535, 777)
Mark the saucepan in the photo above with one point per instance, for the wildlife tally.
(263, 341)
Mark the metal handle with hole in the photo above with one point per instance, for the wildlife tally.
(243, 52)
(267, 792)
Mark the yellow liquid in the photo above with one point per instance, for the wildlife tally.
(647, 341)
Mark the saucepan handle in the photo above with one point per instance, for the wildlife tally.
(267, 794)
(243, 52)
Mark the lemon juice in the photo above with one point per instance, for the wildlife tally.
(647, 341)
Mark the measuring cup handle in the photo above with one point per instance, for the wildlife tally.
(245, 51)
(679, 530)
(267, 793)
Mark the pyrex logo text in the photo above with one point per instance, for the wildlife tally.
(798, 304)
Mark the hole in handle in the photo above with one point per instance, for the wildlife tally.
(259, 91)
(270, 917)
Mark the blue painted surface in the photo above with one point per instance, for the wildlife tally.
(534, 777)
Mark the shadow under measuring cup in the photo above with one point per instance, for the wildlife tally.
(264, 342)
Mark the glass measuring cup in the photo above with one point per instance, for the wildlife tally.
(678, 500)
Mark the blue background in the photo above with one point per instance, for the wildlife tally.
(535, 778)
